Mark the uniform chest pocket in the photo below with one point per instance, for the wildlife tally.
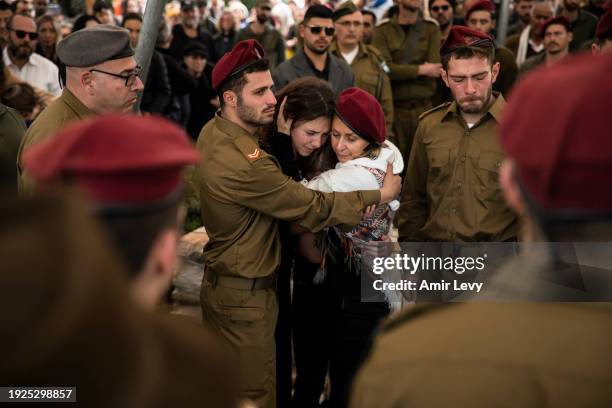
(489, 164)
(438, 160)
(369, 81)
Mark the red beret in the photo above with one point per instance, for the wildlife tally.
(484, 5)
(362, 113)
(605, 24)
(556, 20)
(119, 160)
(237, 60)
(559, 136)
(460, 36)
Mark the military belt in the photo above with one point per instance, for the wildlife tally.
(238, 282)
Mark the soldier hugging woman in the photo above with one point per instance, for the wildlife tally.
(331, 325)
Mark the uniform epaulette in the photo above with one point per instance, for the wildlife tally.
(249, 148)
(383, 22)
(437, 108)
(414, 312)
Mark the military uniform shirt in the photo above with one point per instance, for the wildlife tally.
(451, 190)
(65, 109)
(369, 69)
(391, 40)
(243, 194)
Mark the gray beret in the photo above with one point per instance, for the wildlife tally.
(94, 45)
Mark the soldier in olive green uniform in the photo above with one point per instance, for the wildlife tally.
(12, 129)
(243, 194)
(521, 354)
(371, 71)
(452, 192)
(101, 77)
(260, 30)
(410, 45)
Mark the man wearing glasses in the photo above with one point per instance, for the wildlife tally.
(443, 12)
(317, 30)
(22, 62)
(101, 77)
(371, 71)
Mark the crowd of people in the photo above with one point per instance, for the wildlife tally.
(300, 122)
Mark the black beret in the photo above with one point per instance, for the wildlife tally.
(196, 48)
(94, 45)
(344, 9)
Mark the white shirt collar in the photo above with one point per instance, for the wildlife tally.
(8, 62)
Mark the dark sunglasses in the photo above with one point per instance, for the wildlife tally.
(130, 78)
(21, 34)
(266, 8)
(438, 8)
(316, 30)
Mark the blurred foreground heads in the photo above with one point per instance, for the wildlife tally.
(68, 319)
(130, 168)
(555, 131)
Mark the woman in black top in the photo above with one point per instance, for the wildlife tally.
(295, 140)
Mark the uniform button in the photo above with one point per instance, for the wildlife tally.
(498, 164)
(453, 210)
(463, 159)
(459, 185)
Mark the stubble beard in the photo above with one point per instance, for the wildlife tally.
(16, 51)
(249, 115)
(483, 108)
(313, 48)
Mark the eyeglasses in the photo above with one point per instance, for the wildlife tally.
(347, 24)
(22, 34)
(130, 78)
(266, 8)
(316, 30)
(440, 8)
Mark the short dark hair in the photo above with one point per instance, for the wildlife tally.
(370, 13)
(134, 235)
(4, 6)
(81, 22)
(236, 82)
(452, 3)
(469, 52)
(318, 11)
(100, 5)
(130, 16)
(21, 97)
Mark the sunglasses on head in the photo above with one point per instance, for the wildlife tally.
(21, 34)
(316, 30)
(438, 8)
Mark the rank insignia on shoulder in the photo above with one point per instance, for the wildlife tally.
(255, 155)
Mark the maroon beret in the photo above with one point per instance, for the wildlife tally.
(460, 36)
(559, 136)
(361, 112)
(605, 24)
(482, 5)
(237, 60)
(556, 20)
(117, 160)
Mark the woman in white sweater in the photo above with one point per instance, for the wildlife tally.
(358, 139)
